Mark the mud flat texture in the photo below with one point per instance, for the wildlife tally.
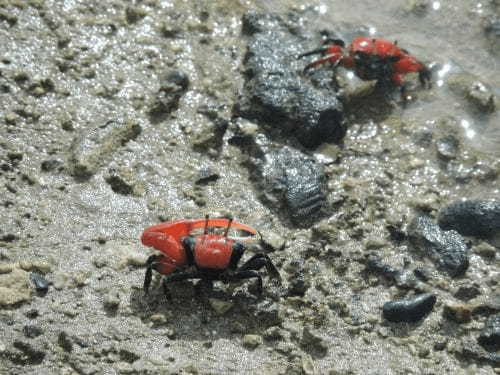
(118, 115)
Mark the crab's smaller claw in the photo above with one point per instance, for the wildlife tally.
(332, 54)
(318, 51)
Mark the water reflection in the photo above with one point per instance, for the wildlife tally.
(469, 132)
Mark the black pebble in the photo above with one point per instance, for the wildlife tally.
(41, 285)
(410, 309)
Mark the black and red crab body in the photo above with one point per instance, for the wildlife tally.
(208, 256)
(372, 59)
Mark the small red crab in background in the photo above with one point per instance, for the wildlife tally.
(372, 59)
(206, 256)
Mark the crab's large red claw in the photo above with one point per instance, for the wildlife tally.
(221, 223)
(168, 245)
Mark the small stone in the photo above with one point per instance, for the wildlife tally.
(447, 147)
(51, 165)
(14, 287)
(313, 343)
(41, 284)
(173, 85)
(158, 319)
(272, 240)
(460, 313)
(65, 341)
(125, 182)
(423, 352)
(31, 350)
(308, 365)
(125, 255)
(219, 306)
(374, 243)
(6, 268)
(128, 355)
(31, 331)
(206, 175)
(482, 97)
(191, 369)
(274, 334)
(111, 301)
(248, 128)
(298, 286)
(417, 7)
(80, 278)
(252, 341)
(440, 343)
(490, 334)
(134, 14)
(485, 250)
(90, 149)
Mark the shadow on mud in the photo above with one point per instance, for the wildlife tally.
(201, 314)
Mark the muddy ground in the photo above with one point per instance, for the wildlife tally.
(118, 115)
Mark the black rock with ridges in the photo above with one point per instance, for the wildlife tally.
(293, 182)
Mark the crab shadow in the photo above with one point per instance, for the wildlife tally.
(206, 314)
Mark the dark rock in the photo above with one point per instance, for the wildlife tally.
(31, 331)
(288, 179)
(209, 136)
(490, 334)
(41, 285)
(446, 248)
(406, 279)
(313, 343)
(410, 309)
(422, 274)
(268, 314)
(277, 95)
(472, 351)
(467, 292)
(89, 150)
(460, 313)
(65, 341)
(51, 165)
(128, 355)
(118, 184)
(32, 313)
(172, 87)
(134, 15)
(479, 218)
(31, 353)
(298, 286)
(447, 147)
(375, 265)
(488, 305)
